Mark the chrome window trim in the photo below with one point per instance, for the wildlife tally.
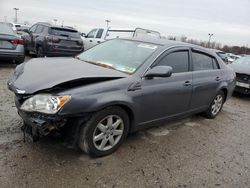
(176, 46)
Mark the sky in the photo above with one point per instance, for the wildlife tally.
(228, 20)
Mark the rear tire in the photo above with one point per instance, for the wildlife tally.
(104, 132)
(40, 52)
(27, 52)
(19, 60)
(216, 106)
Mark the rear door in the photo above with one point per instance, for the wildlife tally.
(165, 97)
(206, 79)
(30, 38)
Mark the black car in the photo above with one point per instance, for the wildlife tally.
(118, 87)
(242, 68)
(45, 39)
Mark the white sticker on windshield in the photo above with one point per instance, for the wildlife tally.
(153, 47)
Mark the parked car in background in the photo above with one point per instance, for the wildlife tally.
(45, 39)
(98, 35)
(16, 26)
(11, 45)
(97, 98)
(232, 57)
(242, 68)
(21, 27)
(221, 54)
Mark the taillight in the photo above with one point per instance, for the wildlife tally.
(51, 39)
(18, 41)
(55, 39)
(47, 39)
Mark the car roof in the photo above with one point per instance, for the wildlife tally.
(166, 42)
(55, 26)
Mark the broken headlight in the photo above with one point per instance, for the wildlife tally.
(45, 103)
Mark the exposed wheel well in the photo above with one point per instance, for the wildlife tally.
(37, 46)
(130, 115)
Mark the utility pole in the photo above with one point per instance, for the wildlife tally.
(108, 21)
(209, 38)
(55, 20)
(16, 9)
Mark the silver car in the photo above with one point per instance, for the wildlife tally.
(11, 45)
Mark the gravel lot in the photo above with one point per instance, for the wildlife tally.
(193, 152)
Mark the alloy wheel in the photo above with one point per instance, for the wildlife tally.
(217, 104)
(108, 132)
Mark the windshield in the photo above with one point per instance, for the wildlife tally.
(242, 61)
(122, 55)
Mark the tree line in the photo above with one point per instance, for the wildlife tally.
(215, 45)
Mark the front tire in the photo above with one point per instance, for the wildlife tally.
(216, 106)
(104, 132)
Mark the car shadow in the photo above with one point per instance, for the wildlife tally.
(241, 96)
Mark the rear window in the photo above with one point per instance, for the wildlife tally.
(5, 29)
(64, 32)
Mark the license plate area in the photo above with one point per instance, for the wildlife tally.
(241, 84)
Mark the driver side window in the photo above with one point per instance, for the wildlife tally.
(92, 33)
(33, 28)
(178, 60)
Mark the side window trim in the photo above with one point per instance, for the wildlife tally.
(94, 31)
(34, 26)
(172, 50)
(38, 27)
(204, 53)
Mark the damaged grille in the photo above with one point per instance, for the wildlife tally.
(243, 77)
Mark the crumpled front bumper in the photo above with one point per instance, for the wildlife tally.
(38, 125)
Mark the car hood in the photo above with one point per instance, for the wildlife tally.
(241, 69)
(46, 73)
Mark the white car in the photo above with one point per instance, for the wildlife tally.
(98, 35)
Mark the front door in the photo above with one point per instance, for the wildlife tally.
(160, 98)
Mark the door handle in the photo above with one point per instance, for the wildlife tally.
(187, 83)
(217, 78)
(98, 42)
(90, 40)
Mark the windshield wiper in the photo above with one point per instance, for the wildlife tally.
(101, 64)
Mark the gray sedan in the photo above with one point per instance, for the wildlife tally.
(11, 45)
(119, 87)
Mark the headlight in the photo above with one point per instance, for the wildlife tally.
(45, 103)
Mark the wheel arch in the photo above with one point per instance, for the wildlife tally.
(128, 109)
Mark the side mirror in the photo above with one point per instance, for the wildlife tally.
(159, 71)
(83, 35)
(26, 30)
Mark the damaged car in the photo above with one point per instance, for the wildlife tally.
(241, 67)
(120, 86)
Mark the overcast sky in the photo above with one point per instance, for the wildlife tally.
(228, 20)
